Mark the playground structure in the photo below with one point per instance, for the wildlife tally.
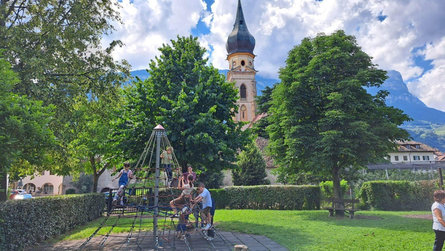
(170, 232)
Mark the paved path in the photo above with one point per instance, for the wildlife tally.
(223, 241)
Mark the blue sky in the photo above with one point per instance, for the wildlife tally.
(394, 32)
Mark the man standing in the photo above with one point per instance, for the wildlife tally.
(206, 198)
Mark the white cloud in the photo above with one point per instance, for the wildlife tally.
(430, 88)
(147, 24)
(279, 25)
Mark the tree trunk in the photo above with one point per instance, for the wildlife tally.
(95, 175)
(3, 184)
(338, 196)
(95, 181)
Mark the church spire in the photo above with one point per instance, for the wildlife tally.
(240, 39)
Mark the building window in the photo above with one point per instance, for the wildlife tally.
(29, 187)
(405, 158)
(243, 92)
(233, 64)
(415, 157)
(396, 158)
(243, 112)
(417, 146)
(48, 188)
(243, 63)
(426, 157)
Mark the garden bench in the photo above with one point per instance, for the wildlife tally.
(349, 207)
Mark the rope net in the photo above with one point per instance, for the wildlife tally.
(145, 206)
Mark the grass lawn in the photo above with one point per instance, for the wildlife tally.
(309, 230)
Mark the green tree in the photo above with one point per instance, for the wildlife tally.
(92, 150)
(251, 168)
(263, 103)
(24, 135)
(322, 119)
(84, 184)
(55, 48)
(192, 101)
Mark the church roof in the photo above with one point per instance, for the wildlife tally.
(240, 40)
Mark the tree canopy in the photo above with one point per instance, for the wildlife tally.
(24, 136)
(322, 119)
(93, 149)
(192, 101)
(55, 47)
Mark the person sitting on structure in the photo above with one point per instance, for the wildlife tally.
(166, 161)
(206, 198)
(185, 196)
(124, 175)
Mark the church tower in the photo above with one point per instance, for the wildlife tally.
(240, 45)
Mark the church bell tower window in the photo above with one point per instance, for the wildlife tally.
(243, 112)
(243, 92)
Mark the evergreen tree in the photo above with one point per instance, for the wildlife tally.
(192, 101)
(323, 120)
(251, 168)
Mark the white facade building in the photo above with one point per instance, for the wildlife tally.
(413, 152)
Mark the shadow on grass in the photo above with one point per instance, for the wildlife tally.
(370, 219)
(286, 237)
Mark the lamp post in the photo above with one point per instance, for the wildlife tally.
(159, 132)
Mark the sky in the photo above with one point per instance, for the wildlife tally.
(403, 35)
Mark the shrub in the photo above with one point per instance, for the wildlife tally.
(251, 168)
(398, 195)
(26, 222)
(70, 191)
(268, 197)
(327, 188)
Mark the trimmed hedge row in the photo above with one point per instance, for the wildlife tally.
(398, 195)
(26, 222)
(268, 197)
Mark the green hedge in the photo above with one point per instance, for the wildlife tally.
(327, 188)
(26, 222)
(268, 197)
(398, 195)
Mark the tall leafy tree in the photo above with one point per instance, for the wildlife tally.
(192, 101)
(323, 120)
(24, 133)
(263, 104)
(251, 167)
(92, 150)
(55, 48)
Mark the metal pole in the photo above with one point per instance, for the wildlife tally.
(159, 130)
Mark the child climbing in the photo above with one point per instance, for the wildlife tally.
(124, 175)
(166, 161)
(186, 195)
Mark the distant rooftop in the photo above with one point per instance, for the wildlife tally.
(414, 146)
